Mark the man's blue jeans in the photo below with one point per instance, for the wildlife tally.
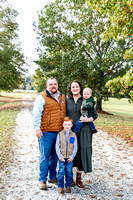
(48, 157)
(65, 169)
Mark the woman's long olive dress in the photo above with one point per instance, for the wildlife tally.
(83, 158)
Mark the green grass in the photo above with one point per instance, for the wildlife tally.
(121, 122)
(7, 125)
(12, 94)
(116, 125)
(118, 107)
(2, 103)
(17, 95)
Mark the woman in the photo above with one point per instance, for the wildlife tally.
(83, 159)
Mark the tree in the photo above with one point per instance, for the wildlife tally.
(28, 83)
(71, 47)
(39, 80)
(11, 58)
(121, 86)
(120, 19)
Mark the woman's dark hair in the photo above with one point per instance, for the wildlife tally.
(69, 93)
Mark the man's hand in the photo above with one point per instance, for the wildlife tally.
(39, 133)
(62, 159)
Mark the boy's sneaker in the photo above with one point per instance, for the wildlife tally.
(61, 190)
(68, 190)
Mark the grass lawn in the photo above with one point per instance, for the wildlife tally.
(120, 123)
(7, 125)
(17, 95)
(115, 125)
(118, 107)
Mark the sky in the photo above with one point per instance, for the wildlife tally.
(27, 10)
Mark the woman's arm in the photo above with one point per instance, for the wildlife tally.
(90, 119)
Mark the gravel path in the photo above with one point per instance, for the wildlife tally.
(111, 179)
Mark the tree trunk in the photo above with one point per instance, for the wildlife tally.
(99, 104)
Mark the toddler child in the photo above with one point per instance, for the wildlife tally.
(86, 109)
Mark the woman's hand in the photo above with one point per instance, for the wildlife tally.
(86, 119)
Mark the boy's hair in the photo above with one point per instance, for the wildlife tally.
(66, 119)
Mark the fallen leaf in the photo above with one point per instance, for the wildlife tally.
(119, 190)
(119, 195)
(92, 196)
(111, 175)
(85, 188)
(122, 174)
(37, 192)
(88, 181)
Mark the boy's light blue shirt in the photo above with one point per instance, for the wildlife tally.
(38, 109)
(75, 146)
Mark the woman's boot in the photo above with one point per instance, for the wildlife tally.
(73, 183)
(78, 180)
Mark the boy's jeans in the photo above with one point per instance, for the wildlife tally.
(48, 157)
(65, 169)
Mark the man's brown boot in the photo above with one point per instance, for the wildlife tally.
(78, 180)
(42, 185)
(61, 190)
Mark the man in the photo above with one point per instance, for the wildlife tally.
(48, 113)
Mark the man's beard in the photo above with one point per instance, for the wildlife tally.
(55, 91)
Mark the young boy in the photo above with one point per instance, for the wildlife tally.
(86, 109)
(66, 149)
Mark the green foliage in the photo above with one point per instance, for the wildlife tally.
(71, 47)
(120, 21)
(11, 58)
(28, 83)
(39, 81)
(121, 86)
